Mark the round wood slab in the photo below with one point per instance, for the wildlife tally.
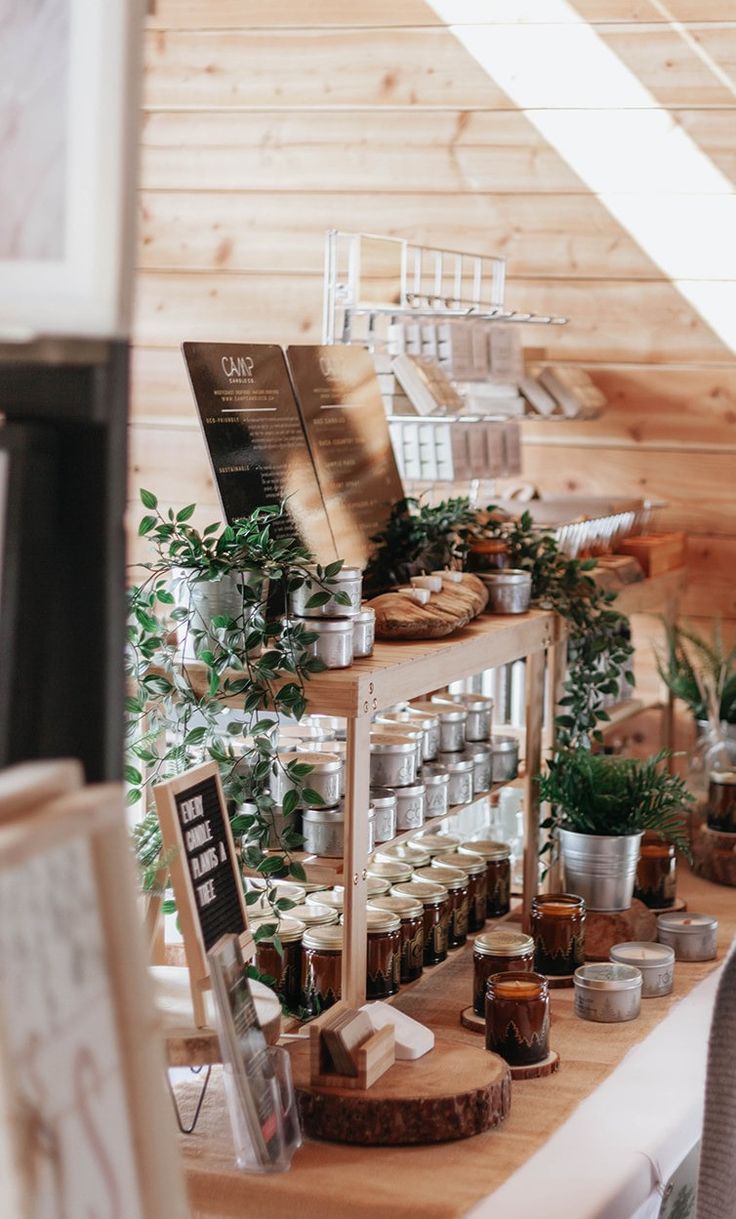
(714, 856)
(604, 928)
(453, 1092)
(537, 1070)
(678, 905)
(471, 1020)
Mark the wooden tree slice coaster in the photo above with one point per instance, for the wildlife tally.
(678, 905)
(714, 856)
(604, 928)
(559, 983)
(537, 1070)
(471, 1020)
(453, 1092)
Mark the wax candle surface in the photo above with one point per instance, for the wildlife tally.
(515, 989)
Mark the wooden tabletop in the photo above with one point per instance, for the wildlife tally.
(330, 1181)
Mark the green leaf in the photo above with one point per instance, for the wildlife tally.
(297, 871)
(133, 796)
(185, 514)
(290, 802)
(148, 499)
(317, 599)
(146, 525)
(195, 736)
(132, 775)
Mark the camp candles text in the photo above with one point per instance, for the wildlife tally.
(198, 836)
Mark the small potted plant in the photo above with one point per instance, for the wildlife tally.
(693, 662)
(601, 806)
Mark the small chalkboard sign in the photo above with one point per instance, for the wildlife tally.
(204, 869)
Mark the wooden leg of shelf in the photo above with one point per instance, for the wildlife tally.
(533, 760)
(556, 665)
(356, 860)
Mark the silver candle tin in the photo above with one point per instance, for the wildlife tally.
(383, 803)
(482, 758)
(364, 633)
(460, 780)
(324, 832)
(393, 761)
(509, 591)
(437, 844)
(338, 748)
(608, 993)
(406, 732)
(480, 714)
(334, 642)
(410, 807)
(436, 780)
(655, 962)
(505, 758)
(693, 936)
(452, 727)
(416, 722)
(394, 872)
(348, 580)
(325, 778)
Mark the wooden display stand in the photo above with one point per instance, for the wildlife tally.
(453, 1092)
(373, 1057)
(605, 928)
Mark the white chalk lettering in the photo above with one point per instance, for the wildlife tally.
(191, 810)
(197, 837)
(206, 893)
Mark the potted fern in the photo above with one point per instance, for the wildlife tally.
(601, 806)
(693, 661)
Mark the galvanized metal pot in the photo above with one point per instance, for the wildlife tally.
(208, 599)
(600, 867)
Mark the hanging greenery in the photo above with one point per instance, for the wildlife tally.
(418, 538)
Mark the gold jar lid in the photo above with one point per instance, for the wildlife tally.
(394, 872)
(262, 907)
(443, 874)
(288, 929)
(437, 844)
(489, 850)
(406, 852)
(469, 861)
(313, 915)
(722, 776)
(326, 897)
(376, 886)
(503, 943)
(425, 891)
(405, 907)
(326, 939)
(381, 922)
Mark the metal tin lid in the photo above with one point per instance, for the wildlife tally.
(488, 849)
(405, 907)
(302, 731)
(503, 943)
(312, 914)
(425, 718)
(376, 886)
(288, 929)
(393, 871)
(324, 816)
(460, 767)
(326, 897)
(322, 762)
(447, 713)
(504, 744)
(435, 776)
(682, 923)
(343, 576)
(425, 891)
(471, 702)
(508, 575)
(385, 743)
(364, 615)
(643, 955)
(477, 749)
(425, 705)
(379, 922)
(409, 732)
(407, 853)
(328, 939)
(451, 878)
(469, 861)
(383, 797)
(327, 626)
(410, 792)
(436, 844)
(608, 976)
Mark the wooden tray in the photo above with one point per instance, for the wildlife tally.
(453, 1092)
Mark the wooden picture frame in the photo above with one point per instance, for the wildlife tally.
(85, 1123)
(200, 934)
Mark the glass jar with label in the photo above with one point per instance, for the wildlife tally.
(411, 915)
(558, 929)
(383, 961)
(286, 969)
(720, 771)
(457, 884)
(495, 952)
(436, 902)
(498, 869)
(517, 1017)
(321, 968)
(656, 872)
(475, 868)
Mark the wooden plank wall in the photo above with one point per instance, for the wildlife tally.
(264, 125)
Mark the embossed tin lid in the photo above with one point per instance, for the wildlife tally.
(382, 797)
(503, 943)
(407, 853)
(607, 976)
(471, 702)
(425, 891)
(405, 907)
(328, 939)
(312, 914)
(451, 878)
(504, 744)
(380, 922)
(385, 743)
(436, 843)
(391, 870)
(435, 775)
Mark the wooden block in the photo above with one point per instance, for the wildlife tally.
(537, 1070)
(373, 1058)
(714, 856)
(453, 1092)
(605, 928)
(657, 553)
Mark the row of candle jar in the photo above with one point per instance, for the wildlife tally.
(343, 632)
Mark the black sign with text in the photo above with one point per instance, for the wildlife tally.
(217, 902)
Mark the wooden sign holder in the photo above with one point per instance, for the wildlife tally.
(186, 902)
(373, 1057)
(90, 824)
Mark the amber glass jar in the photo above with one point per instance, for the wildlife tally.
(411, 914)
(656, 873)
(488, 554)
(496, 952)
(383, 962)
(475, 870)
(456, 883)
(321, 968)
(498, 868)
(436, 902)
(722, 801)
(558, 929)
(286, 969)
(517, 1017)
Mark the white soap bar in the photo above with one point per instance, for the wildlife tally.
(413, 1040)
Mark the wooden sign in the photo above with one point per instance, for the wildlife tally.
(86, 1128)
(348, 435)
(255, 438)
(204, 869)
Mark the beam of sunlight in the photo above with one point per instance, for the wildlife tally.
(644, 168)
